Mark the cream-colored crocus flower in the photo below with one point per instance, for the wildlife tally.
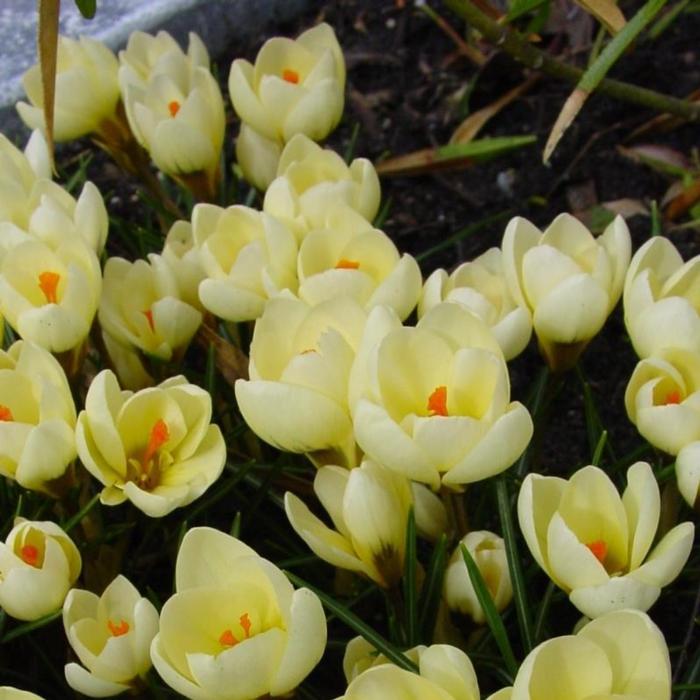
(567, 279)
(595, 545)
(156, 447)
(37, 418)
(235, 628)
(489, 553)
(444, 673)
(622, 655)
(111, 635)
(247, 257)
(688, 474)
(182, 256)
(141, 309)
(436, 406)
(87, 90)
(369, 508)
(174, 107)
(295, 86)
(350, 258)
(8, 693)
(661, 299)
(312, 181)
(663, 399)
(38, 565)
(481, 286)
(257, 157)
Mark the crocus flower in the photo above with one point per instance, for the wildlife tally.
(182, 257)
(257, 156)
(688, 474)
(621, 655)
(235, 628)
(87, 90)
(660, 300)
(481, 286)
(38, 565)
(369, 507)
(9, 693)
(156, 447)
(37, 418)
(111, 635)
(567, 279)
(595, 545)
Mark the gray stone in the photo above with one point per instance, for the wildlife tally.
(218, 22)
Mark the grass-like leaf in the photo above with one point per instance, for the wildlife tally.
(72, 522)
(87, 8)
(598, 452)
(28, 627)
(409, 582)
(432, 589)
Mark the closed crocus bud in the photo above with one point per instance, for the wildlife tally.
(38, 565)
(300, 360)
(87, 90)
(620, 655)
(141, 309)
(312, 181)
(369, 507)
(688, 474)
(111, 634)
(235, 628)
(567, 279)
(8, 693)
(182, 257)
(663, 399)
(489, 553)
(595, 545)
(156, 447)
(436, 406)
(660, 299)
(174, 107)
(350, 258)
(481, 286)
(247, 257)
(257, 156)
(37, 418)
(295, 86)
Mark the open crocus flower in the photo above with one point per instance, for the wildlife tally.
(481, 286)
(661, 299)
(350, 258)
(436, 406)
(688, 474)
(111, 635)
(595, 545)
(295, 86)
(369, 507)
(257, 157)
(235, 628)
(156, 447)
(247, 257)
(312, 181)
(663, 399)
(87, 90)
(37, 418)
(38, 565)
(489, 553)
(174, 107)
(567, 279)
(622, 655)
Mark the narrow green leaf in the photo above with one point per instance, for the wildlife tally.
(493, 619)
(691, 680)
(432, 589)
(382, 645)
(383, 213)
(350, 150)
(656, 228)
(87, 8)
(598, 452)
(236, 525)
(72, 522)
(210, 371)
(542, 611)
(28, 627)
(409, 582)
(485, 149)
(522, 7)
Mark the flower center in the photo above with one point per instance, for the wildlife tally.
(147, 472)
(48, 283)
(291, 76)
(437, 402)
(173, 108)
(149, 317)
(118, 629)
(229, 639)
(29, 554)
(673, 397)
(5, 413)
(599, 549)
(345, 264)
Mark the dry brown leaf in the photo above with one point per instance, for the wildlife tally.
(688, 198)
(606, 12)
(568, 113)
(426, 160)
(626, 207)
(230, 360)
(47, 45)
(656, 156)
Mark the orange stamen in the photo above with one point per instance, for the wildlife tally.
(599, 549)
(29, 554)
(245, 624)
(5, 413)
(673, 397)
(173, 108)
(159, 435)
(227, 639)
(149, 317)
(437, 402)
(117, 630)
(48, 283)
(344, 264)
(291, 76)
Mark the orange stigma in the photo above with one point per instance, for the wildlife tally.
(173, 108)
(599, 549)
(344, 264)
(48, 283)
(291, 76)
(29, 554)
(159, 436)
(673, 397)
(5, 413)
(437, 402)
(117, 630)
(245, 623)
(227, 639)
(149, 317)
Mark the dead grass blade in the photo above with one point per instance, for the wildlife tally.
(687, 199)
(606, 12)
(47, 44)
